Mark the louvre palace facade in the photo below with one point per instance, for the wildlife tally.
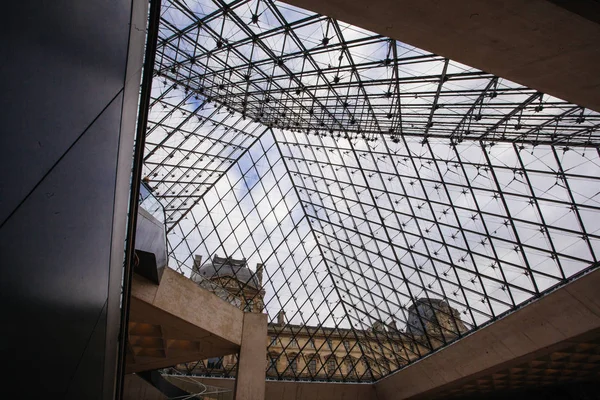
(323, 353)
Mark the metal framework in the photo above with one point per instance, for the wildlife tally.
(365, 174)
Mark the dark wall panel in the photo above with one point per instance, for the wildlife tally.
(84, 382)
(65, 152)
(62, 63)
(58, 249)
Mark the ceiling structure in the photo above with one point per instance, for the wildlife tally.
(574, 362)
(364, 173)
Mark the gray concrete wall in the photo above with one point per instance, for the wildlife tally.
(319, 391)
(251, 372)
(275, 390)
(185, 300)
(70, 76)
(562, 315)
(194, 324)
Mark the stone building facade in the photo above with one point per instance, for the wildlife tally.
(231, 280)
(434, 317)
(318, 352)
(323, 353)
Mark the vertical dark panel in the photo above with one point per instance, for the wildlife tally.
(63, 61)
(70, 77)
(56, 247)
(131, 101)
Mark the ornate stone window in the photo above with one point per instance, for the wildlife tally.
(331, 365)
(312, 366)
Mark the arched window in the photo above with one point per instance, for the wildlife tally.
(312, 364)
(293, 364)
(350, 369)
(331, 365)
(367, 368)
(272, 360)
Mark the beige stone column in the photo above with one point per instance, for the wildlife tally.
(250, 381)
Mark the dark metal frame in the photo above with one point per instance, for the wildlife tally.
(403, 174)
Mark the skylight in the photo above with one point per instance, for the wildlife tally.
(364, 173)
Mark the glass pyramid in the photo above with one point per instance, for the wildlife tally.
(397, 200)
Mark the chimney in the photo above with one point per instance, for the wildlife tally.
(259, 274)
(281, 318)
(197, 263)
